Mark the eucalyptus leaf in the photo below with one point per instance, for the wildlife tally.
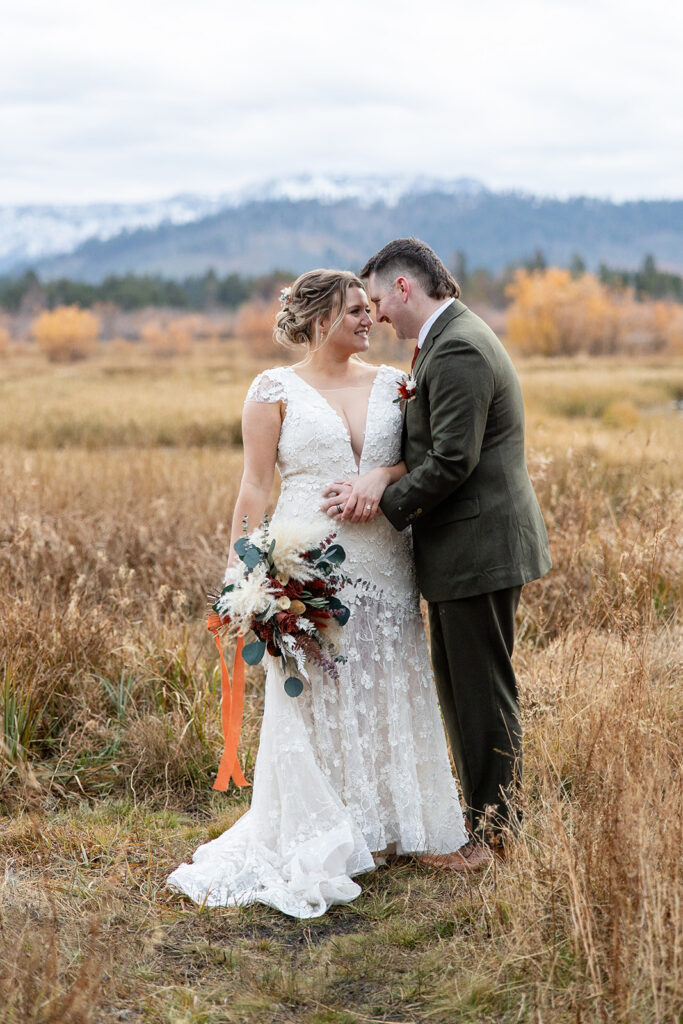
(343, 615)
(335, 554)
(241, 545)
(293, 686)
(253, 653)
(251, 557)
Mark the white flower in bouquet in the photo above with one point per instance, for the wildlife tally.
(233, 573)
(252, 597)
(293, 538)
(292, 649)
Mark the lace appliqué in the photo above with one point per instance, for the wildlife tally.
(267, 387)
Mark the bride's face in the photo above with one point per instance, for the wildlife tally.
(351, 335)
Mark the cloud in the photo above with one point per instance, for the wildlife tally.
(146, 99)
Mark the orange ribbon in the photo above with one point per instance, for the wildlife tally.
(232, 705)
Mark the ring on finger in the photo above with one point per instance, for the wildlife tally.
(339, 509)
(368, 508)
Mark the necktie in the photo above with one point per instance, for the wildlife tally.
(415, 355)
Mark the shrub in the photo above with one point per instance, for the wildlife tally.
(66, 334)
(554, 314)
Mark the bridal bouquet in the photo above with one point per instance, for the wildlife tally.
(284, 594)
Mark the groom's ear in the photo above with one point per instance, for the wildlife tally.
(403, 285)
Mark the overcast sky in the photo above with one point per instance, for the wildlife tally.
(140, 99)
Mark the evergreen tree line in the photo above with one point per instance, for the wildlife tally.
(647, 282)
(208, 291)
(133, 291)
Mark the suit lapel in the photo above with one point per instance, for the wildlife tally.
(440, 324)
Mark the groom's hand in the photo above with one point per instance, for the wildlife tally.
(358, 498)
(336, 495)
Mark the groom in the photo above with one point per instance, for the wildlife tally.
(478, 533)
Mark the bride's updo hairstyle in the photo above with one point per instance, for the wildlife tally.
(315, 296)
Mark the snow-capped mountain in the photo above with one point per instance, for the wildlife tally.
(301, 222)
(30, 233)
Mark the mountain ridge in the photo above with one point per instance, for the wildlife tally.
(35, 231)
(298, 223)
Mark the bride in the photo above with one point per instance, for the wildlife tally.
(356, 767)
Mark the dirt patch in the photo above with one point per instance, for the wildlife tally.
(229, 927)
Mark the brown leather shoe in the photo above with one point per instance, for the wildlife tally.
(472, 856)
(499, 851)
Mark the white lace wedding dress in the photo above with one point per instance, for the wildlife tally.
(350, 766)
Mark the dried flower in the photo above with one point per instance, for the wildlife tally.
(407, 389)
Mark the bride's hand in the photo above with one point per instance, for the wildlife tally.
(336, 496)
(362, 504)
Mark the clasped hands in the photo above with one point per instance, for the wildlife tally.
(356, 500)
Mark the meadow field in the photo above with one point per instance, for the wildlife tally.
(118, 478)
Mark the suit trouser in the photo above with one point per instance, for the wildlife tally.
(471, 644)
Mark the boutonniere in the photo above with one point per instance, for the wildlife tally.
(407, 389)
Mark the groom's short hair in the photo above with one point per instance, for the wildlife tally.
(412, 258)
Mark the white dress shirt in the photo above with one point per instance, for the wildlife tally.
(424, 330)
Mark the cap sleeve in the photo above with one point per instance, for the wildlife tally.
(267, 387)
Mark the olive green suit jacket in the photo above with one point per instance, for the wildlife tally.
(477, 526)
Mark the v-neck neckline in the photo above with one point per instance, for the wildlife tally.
(338, 415)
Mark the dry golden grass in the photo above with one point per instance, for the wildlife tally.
(118, 479)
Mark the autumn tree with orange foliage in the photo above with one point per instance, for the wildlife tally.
(66, 334)
(553, 313)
